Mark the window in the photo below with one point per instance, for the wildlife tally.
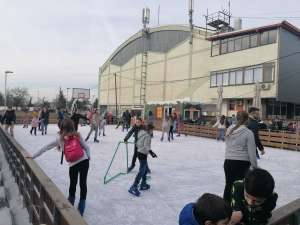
(213, 80)
(264, 38)
(239, 77)
(196, 114)
(248, 79)
(237, 44)
(297, 110)
(272, 36)
(245, 42)
(283, 108)
(219, 79)
(187, 114)
(230, 44)
(224, 46)
(225, 79)
(215, 48)
(258, 74)
(231, 105)
(232, 78)
(253, 41)
(268, 69)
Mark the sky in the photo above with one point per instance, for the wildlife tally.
(62, 43)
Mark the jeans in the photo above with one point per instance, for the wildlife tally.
(93, 128)
(234, 170)
(80, 168)
(221, 134)
(44, 126)
(141, 174)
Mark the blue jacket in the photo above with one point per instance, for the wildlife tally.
(186, 216)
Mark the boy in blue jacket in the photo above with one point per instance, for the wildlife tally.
(210, 209)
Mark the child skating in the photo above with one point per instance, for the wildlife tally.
(34, 124)
(143, 149)
(77, 154)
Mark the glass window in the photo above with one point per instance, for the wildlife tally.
(225, 78)
(258, 74)
(215, 48)
(239, 77)
(219, 79)
(272, 36)
(297, 110)
(253, 40)
(196, 114)
(224, 46)
(232, 78)
(248, 79)
(277, 108)
(231, 105)
(213, 80)
(268, 69)
(230, 44)
(187, 114)
(283, 109)
(237, 44)
(264, 38)
(245, 42)
(270, 107)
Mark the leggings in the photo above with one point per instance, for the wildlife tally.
(80, 168)
(234, 170)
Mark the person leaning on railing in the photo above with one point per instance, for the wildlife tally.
(77, 154)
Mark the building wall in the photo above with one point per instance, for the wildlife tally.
(289, 68)
(169, 73)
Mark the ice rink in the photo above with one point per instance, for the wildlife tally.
(185, 169)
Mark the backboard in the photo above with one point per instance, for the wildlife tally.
(81, 93)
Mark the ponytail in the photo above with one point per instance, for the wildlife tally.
(242, 118)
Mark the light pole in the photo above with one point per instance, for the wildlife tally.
(5, 90)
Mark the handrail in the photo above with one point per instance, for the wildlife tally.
(287, 214)
(107, 180)
(44, 201)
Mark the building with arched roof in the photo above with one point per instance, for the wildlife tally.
(166, 66)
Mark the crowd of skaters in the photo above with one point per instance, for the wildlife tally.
(248, 198)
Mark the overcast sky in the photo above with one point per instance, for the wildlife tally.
(52, 43)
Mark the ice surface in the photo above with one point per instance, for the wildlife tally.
(5, 217)
(184, 170)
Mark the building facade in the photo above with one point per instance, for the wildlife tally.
(177, 68)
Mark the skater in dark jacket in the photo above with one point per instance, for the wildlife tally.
(254, 127)
(134, 131)
(44, 120)
(144, 148)
(253, 198)
(76, 117)
(208, 210)
(9, 119)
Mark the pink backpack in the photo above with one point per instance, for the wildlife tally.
(72, 149)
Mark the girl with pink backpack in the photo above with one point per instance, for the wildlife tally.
(77, 154)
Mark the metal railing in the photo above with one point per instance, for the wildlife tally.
(107, 179)
(43, 200)
(287, 215)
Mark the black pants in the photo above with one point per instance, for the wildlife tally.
(81, 169)
(33, 129)
(134, 157)
(234, 170)
(171, 133)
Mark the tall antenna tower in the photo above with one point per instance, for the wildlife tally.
(191, 12)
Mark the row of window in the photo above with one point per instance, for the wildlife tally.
(275, 108)
(246, 75)
(228, 45)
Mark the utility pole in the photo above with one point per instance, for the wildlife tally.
(116, 94)
(5, 87)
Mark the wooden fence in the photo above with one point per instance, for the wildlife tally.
(283, 140)
(44, 201)
(288, 214)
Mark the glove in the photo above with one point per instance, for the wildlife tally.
(152, 154)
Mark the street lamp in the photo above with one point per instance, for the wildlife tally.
(5, 90)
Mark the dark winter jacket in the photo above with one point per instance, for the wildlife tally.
(254, 127)
(76, 117)
(186, 216)
(255, 215)
(9, 117)
(45, 116)
(134, 130)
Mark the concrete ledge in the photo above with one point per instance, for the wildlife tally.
(2, 197)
